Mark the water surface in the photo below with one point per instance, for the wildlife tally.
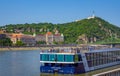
(19, 63)
(26, 63)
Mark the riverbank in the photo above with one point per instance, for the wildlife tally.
(24, 48)
(41, 47)
(18, 48)
(46, 47)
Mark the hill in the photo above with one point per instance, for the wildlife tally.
(93, 30)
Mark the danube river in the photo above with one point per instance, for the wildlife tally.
(26, 63)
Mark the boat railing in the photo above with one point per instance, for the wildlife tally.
(74, 50)
(63, 50)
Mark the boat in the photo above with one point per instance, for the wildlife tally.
(78, 60)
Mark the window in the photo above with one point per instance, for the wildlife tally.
(52, 57)
(60, 58)
(69, 58)
(43, 57)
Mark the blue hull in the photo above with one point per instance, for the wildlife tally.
(61, 70)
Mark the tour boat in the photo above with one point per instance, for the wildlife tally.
(78, 59)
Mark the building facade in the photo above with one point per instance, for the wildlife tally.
(28, 40)
(50, 38)
(2, 36)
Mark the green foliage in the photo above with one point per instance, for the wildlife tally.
(58, 42)
(92, 28)
(41, 42)
(19, 43)
(55, 42)
(108, 41)
(5, 42)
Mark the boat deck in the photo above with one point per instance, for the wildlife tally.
(79, 49)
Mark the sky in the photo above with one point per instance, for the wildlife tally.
(57, 11)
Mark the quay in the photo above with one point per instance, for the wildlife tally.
(46, 47)
(40, 47)
(115, 72)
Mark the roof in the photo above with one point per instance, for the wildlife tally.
(103, 50)
(49, 33)
(17, 35)
(21, 36)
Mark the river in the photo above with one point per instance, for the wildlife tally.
(26, 63)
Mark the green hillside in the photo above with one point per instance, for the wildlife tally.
(94, 30)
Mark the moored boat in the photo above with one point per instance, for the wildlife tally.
(78, 60)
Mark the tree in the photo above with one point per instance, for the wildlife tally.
(5, 42)
(41, 42)
(19, 43)
(93, 28)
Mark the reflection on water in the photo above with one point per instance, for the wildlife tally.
(26, 63)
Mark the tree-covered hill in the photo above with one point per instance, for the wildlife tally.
(92, 30)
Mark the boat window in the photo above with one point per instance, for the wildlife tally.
(60, 58)
(79, 58)
(69, 58)
(52, 57)
(44, 57)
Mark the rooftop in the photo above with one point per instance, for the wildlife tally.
(49, 33)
